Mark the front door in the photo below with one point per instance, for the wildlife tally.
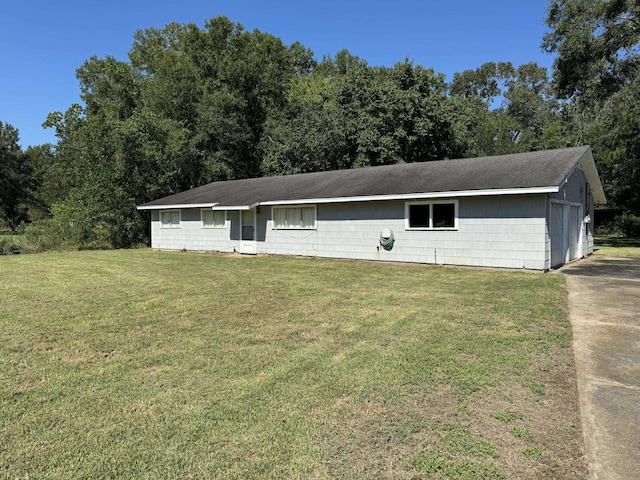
(248, 232)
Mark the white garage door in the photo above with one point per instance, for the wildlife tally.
(556, 234)
(574, 233)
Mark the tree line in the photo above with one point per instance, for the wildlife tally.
(194, 105)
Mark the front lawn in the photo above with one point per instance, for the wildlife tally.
(142, 364)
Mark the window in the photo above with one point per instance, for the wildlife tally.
(170, 219)
(432, 215)
(419, 216)
(213, 218)
(298, 218)
(443, 215)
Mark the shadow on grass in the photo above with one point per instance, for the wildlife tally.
(615, 241)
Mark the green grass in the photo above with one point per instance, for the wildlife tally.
(617, 246)
(519, 432)
(142, 364)
(532, 452)
(507, 417)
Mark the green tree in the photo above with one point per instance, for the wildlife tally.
(16, 182)
(514, 109)
(598, 69)
(46, 183)
(188, 108)
(596, 42)
(348, 114)
(220, 83)
(112, 155)
(528, 98)
(486, 83)
(308, 135)
(615, 139)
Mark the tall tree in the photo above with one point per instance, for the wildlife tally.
(614, 134)
(220, 83)
(189, 108)
(308, 134)
(486, 83)
(596, 42)
(46, 183)
(348, 114)
(514, 108)
(16, 183)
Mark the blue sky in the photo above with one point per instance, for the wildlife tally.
(43, 42)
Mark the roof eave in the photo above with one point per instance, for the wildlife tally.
(588, 165)
(176, 206)
(363, 198)
(236, 207)
(416, 196)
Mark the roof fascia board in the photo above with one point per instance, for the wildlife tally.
(588, 165)
(368, 198)
(236, 207)
(176, 206)
(414, 196)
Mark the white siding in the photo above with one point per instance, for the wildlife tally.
(191, 235)
(500, 231)
(576, 191)
(492, 231)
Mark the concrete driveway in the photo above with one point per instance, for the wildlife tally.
(604, 308)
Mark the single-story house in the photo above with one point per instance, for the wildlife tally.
(528, 210)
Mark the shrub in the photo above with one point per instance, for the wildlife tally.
(52, 234)
(64, 232)
(42, 235)
(8, 246)
(628, 225)
(98, 241)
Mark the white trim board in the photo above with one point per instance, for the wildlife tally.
(415, 196)
(176, 206)
(364, 198)
(236, 207)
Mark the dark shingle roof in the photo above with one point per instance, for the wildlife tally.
(515, 171)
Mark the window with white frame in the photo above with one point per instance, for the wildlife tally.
(294, 218)
(213, 218)
(170, 219)
(435, 215)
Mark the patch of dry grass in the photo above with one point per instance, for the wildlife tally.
(142, 364)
